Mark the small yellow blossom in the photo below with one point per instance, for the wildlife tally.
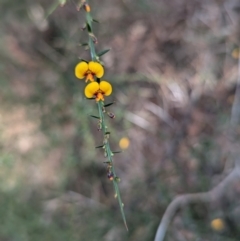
(89, 70)
(98, 90)
(124, 143)
(235, 53)
(217, 224)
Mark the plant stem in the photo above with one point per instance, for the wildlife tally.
(110, 159)
(100, 104)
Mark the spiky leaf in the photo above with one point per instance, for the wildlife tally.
(84, 60)
(89, 28)
(103, 52)
(95, 20)
(101, 146)
(96, 117)
(108, 104)
(83, 44)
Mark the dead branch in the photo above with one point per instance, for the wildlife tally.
(216, 192)
(183, 200)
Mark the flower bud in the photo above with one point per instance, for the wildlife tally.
(110, 176)
(87, 7)
(117, 179)
(111, 115)
(93, 37)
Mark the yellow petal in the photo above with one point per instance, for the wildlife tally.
(96, 68)
(105, 87)
(91, 89)
(81, 69)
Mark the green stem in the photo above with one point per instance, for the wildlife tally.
(90, 41)
(92, 50)
(110, 159)
(103, 124)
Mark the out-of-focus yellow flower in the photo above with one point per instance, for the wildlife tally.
(89, 70)
(124, 143)
(235, 53)
(97, 90)
(217, 224)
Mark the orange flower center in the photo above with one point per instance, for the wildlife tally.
(89, 76)
(99, 95)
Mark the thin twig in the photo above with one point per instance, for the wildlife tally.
(183, 200)
(216, 192)
(235, 114)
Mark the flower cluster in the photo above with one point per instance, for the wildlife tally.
(95, 89)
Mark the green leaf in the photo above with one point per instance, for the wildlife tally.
(108, 104)
(95, 20)
(107, 162)
(83, 60)
(99, 146)
(103, 52)
(115, 152)
(52, 8)
(96, 117)
(89, 28)
(83, 44)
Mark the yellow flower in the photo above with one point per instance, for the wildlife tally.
(235, 53)
(89, 70)
(124, 143)
(217, 224)
(97, 90)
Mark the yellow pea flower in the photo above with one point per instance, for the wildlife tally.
(124, 143)
(89, 70)
(98, 90)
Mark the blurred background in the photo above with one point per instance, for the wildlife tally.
(174, 67)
